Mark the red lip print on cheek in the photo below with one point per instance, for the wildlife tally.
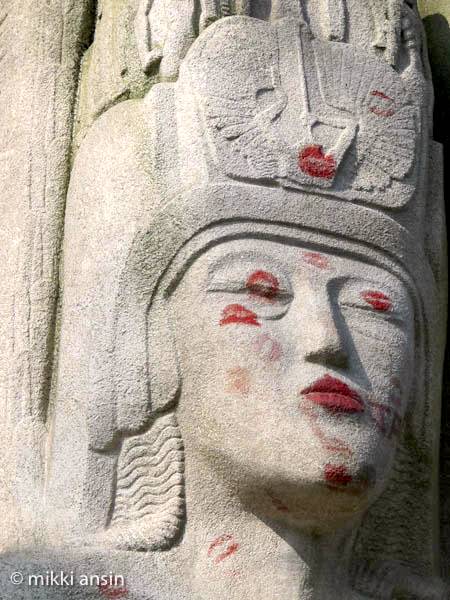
(222, 548)
(268, 348)
(314, 162)
(235, 314)
(377, 300)
(264, 285)
(238, 381)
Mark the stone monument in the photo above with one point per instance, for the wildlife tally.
(245, 400)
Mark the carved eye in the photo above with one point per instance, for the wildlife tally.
(377, 300)
(373, 300)
(263, 285)
(266, 295)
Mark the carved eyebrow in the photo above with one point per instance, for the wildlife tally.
(248, 261)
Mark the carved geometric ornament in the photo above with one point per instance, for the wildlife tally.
(308, 114)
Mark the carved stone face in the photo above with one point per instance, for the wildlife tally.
(297, 367)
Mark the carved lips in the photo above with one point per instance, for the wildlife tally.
(334, 395)
(315, 163)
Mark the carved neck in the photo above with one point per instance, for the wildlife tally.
(230, 552)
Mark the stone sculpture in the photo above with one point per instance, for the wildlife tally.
(250, 350)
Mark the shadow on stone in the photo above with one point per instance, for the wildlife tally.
(438, 35)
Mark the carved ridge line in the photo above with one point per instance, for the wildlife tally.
(158, 468)
(149, 504)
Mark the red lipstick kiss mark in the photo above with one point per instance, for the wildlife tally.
(387, 420)
(262, 284)
(238, 314)
(337, 476)
(239, 381)
(278, 504)
(397, 391)
(268, 347)
(379, 94)
(382, 112)
(316, 260)
(111, 592)
(330, 443)
(377, 300)
(334, 395)
(315, 163)
(223, 541)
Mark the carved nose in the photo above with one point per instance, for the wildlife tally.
(325, 344)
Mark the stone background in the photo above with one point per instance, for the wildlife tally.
(436, 16)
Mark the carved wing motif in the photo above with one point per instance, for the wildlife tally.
(373, 92)
(245, 122)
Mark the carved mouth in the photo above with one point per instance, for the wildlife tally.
(334, 395)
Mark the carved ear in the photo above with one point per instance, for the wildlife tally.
(147, 376)
(162, 360)
(165, 30)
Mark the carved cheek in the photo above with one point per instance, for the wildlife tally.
(237, 314)
(238, 381)
(268, 348)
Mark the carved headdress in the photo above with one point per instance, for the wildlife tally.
(269, 132)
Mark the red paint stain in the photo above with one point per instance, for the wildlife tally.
(337, 475)
(238, 314)
(316, 260)
(387, 420)
(382, 112)
(228, 544)
(233, 573)
(268, 348)
(329, 443)
(377, 300)
(314, 162)
(379, 94)
(263, 285)
(278, 504)
(111, 592)
(238, 381)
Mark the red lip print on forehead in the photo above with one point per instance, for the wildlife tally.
(385, 109)
(263, 285)
(316, 259)
(377, 300)
(314, 162)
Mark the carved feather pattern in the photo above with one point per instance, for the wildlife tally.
(149, 504)
(371, 91)
(247, 127)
